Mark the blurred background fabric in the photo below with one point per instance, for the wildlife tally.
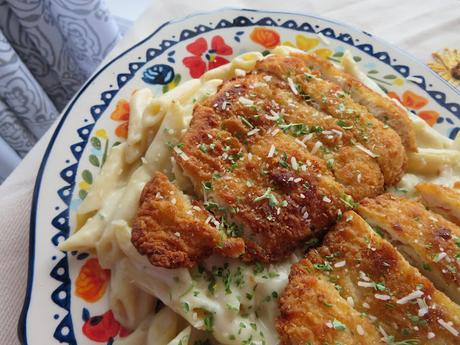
(48, 48)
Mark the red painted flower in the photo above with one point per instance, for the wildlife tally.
(101, 328)
(212, 57)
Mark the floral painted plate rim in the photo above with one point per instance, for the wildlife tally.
(444, 88)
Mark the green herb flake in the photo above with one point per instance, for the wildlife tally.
(336, 324)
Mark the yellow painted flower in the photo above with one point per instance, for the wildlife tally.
(84, 185)
(172, 84)
(398, 81)
(306, 43)
(101, 133)
(325, 53)
(447, 64)
(303, 42)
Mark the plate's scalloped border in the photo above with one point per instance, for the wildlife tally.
(65, 192)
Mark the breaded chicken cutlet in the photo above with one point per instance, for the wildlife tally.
(313, 312)
(279, 154)
(426, 239)
(375, 282)
(172, 232)
(440, 199)
(382, 108)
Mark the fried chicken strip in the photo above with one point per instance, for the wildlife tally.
(442, 200)
(381, 285)
(372, 136)
(313, 312)
(426, 239)
(382, 108)
(273, 193)
(172, 232)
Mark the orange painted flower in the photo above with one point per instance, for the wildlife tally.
(121, 113)
(92, 281)
(394, 95)
(430, 116)
(266, 37)
(413, 101)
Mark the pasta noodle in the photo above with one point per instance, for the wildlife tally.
(107, 180)
(244, 298)
(129, 304)
(181, 339)
(137, 133)
(107, 249)
(164, 327)
(91, 232)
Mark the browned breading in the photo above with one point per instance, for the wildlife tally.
(380, 284)
(279, 206)
(273, 193)
(382, 108)
(171, 232)
(372, 135)
(276, 108)
(313, 312)
(426, 239)
(442, 200)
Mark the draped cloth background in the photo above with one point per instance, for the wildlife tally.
(48, 48)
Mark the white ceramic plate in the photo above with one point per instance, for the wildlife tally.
(55, 310)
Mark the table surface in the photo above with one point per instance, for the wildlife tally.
(419, 27)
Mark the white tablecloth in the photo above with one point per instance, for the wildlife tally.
(419, 27)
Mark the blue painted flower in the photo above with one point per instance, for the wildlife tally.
(158, 74)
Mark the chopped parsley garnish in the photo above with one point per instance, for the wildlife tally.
(246, 122)
(348, 200)
(380, 286)
(326, 266)
(209, 322)
(272, 202)
(344, 125)
(207, 185)
(203, 147)
(336, 324)
(185, 307)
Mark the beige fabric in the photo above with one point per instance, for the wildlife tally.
(419, 27)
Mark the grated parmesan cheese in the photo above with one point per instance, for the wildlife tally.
(292, 86)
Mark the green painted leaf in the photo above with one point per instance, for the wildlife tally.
(384, 89)
(356, 58)
(338, 54)
(389, 76)
(116, 143)
(87, 176)
(96, 143)
(82, 194)
(373, 71)
(94, 160)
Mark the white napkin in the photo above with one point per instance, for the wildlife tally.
(420, 27)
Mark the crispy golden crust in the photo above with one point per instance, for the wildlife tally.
(172, 233)
(313, 312)
(428, 240)
(379, 283)
(276, 108)
(276, 205)
(382, 108)
(383, 143)
(442, 200)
